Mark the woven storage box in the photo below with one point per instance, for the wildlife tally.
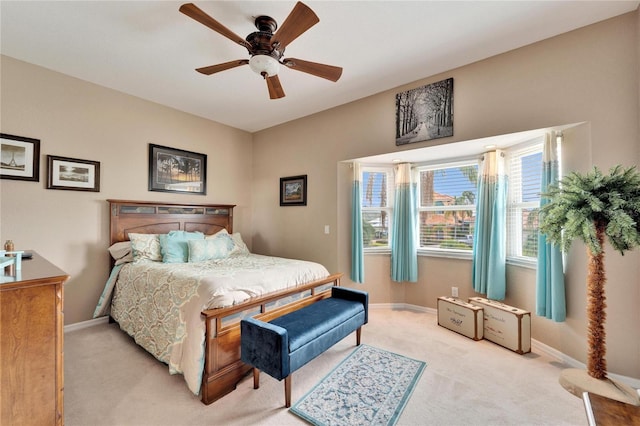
(505, 325)
(461, 317)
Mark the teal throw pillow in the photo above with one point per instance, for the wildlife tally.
(174, 245)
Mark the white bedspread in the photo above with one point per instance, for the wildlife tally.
(159, 304)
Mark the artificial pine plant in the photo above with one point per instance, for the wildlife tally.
(591, 207)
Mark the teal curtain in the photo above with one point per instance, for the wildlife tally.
(550, 292)
(404, 253)
(357, 249)
(490, 235)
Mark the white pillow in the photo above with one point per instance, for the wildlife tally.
(240, 246)
(223, 231)
(146, 246)
(121, 252)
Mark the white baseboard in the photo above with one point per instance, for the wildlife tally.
(538, 346)
(403, 306)
(85, 324)
(573, 363)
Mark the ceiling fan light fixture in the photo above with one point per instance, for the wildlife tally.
(261, 64)
(266, 47)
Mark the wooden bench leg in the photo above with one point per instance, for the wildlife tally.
(256, 378)
(358, 336)
(287, 391)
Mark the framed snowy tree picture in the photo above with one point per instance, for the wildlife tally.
(425, 113)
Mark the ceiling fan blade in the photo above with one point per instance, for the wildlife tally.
(299, 20)
(319, 70)
(212, 69)
(192, 11)
(275, 88)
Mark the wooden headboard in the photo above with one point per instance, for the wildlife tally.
(148, 217)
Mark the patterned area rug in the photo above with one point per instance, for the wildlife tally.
(369, 387)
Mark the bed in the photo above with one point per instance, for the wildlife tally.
(208, 339)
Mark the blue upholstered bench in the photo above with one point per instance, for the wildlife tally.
(285, 344)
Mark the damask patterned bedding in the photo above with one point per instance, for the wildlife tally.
(159, 304)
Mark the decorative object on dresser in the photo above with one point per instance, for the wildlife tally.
(73, 174)
(284, 286)
(461, 317)
(19, 158)
(177, 170)
(293, 191)
(10, 263)
(31, 345)
(505, 325)
(591, 208)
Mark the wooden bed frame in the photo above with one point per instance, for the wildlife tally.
(222, 368)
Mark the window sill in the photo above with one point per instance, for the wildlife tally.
(522, 262)
(447, 254)
(384, 250)
(464, 255)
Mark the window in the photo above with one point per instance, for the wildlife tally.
(447, 196)
(377, 196)
(523, 201)
(447, 193)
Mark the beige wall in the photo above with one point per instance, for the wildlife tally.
(587, 76)
(76, 119)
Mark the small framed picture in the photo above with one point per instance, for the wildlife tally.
(175, 170)
(73, 174)
(293, 191)
(19, 158)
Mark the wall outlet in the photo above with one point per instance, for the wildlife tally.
(454, 291)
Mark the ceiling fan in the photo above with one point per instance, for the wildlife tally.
(266, 46)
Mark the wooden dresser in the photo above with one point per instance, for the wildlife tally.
(31, 345)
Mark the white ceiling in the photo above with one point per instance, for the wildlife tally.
(150, 50)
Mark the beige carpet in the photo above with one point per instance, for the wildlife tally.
(111, 381)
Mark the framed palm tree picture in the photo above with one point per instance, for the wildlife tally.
(176, 170)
